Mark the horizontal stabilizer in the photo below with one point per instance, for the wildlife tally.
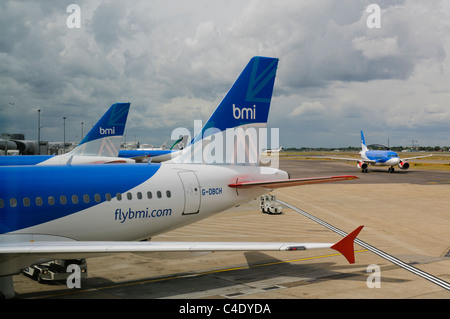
(292, 182)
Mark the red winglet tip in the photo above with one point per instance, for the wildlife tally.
(345, 245)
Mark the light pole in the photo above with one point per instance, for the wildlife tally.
(39, 132)
(64, 126)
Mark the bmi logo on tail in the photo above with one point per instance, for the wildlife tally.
(107, 131)
(249, 113)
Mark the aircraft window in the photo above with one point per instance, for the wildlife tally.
(26, 201)
(168, 194)
(108, 197)
(158, 193)
(13, 202)
(86, 198)
(74, 199)
(149, 195)
(2, 203)
(39, 201)
(63, 199)
(139, 195)
(129, 196)
(119, 196)
(97, 197)
(51, 200)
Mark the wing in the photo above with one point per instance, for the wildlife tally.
(348, 159)
(409, 158)
(292, 182)
(141, 159)
(69, 249)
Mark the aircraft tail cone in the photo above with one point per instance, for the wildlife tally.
(345, 245)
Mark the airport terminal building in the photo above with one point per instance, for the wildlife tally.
(16, 144)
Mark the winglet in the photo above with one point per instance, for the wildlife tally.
(345, 245)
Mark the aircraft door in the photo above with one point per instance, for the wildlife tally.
(191, 192)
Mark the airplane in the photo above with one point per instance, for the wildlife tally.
(91, 210)
(100, 145)
(270, 151)
(378, 158)
(143, 155)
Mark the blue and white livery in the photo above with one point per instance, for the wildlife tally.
(145, 155)
(233, 132)
(378, 158)
(79, 211)
(100, 145)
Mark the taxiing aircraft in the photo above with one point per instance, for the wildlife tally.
(144, 155)
(270, 151)
(100, 145)
(80, 211)
(378, 158)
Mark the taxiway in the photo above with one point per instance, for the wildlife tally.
(405, 214)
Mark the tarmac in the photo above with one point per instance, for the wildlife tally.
(405, 215)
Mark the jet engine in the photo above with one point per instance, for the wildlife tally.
(362, 165)
(403, 165)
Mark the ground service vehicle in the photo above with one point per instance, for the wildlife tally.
(55, 270)
(269, 205)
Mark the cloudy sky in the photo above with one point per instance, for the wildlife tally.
(175, 60)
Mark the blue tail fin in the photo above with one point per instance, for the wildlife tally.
(248, 100)
(245, 106)
(105, 136)
(363, 142)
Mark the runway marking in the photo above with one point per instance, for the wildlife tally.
(439, 182)
(442, 283)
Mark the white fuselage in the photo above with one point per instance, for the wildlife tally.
(380, 158)
(180, 194)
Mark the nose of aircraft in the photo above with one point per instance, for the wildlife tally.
(394, 161)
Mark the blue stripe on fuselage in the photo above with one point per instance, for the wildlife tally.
(381, 156)
(19, 182)
(137, 153)
(23, 159)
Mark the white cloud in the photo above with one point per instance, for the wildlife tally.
(174, 61)
(376, 48)
(309, 109)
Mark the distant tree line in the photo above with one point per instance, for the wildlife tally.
(374, 147)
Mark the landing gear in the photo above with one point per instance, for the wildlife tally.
(391, 170)
(6, 287)
(365, 170)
